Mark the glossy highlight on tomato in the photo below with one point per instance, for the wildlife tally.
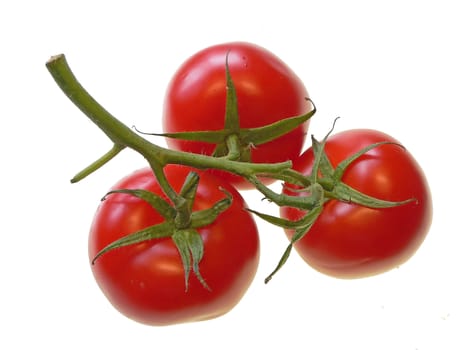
(267, 91)
(351, 241)
(145, 281)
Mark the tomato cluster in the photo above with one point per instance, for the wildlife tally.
(176, 242)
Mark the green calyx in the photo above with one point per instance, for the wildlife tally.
(334, 188)
(234, 142)
(180, 224)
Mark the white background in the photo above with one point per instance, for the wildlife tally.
(397, 66)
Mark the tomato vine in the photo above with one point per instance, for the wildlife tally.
(315, 190)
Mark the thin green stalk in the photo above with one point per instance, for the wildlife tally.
(116, 149)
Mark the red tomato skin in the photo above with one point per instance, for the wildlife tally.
(267, 91)
(146, 282)
(352, 241)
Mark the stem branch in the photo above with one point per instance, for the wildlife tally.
(116, 148)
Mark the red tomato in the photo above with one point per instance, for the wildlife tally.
(267, 91)
(349, 240)
(145, 281)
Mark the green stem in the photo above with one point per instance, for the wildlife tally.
(239, 168)
(280, 199)
(98, 163)
(158, 171)
(233, 145)
(290, 176)
(185, 207)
